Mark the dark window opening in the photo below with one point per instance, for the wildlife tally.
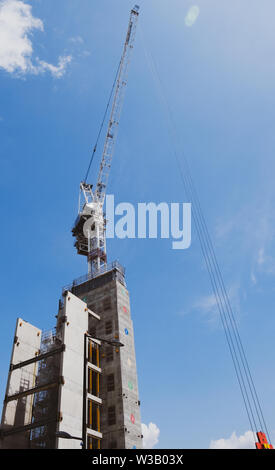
(107, 304)
(93, 416)
(93, 353)
(93, 382)
(109, 327)
(110, 383)
(92, 331)
(111, 415)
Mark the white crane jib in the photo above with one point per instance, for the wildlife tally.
(90, 226)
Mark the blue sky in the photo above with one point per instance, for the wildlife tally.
(218, 76)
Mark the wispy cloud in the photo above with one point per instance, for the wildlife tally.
(150, 435)
(208, 308)
(78, 43)
(56, 70)
(76, 40)
(16, 49)
(253, 277)
(252, 230)
(192, 15)
(246, 441)
(265, 262)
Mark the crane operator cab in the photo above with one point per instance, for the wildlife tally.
(89, 227)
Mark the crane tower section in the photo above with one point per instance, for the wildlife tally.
(90, 226)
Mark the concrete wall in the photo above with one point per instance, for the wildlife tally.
(19, 412)
(131, 408)
(70, 406)
(110, 300)
(91, 307)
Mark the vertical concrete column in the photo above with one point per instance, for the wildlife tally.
(17, 413)
(74, 317)
(131, 404)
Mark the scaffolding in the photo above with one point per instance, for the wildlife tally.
(45, 401)
(31, 392)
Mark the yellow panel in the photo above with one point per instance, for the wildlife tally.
(90, 416)
(98, 419)
(97, 356)
(98, 385)
(90, 380)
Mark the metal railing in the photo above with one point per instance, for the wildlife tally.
(102, 270)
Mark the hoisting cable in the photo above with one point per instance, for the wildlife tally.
(233, 320)
(225, 298)
(243, 373)
(102, 123)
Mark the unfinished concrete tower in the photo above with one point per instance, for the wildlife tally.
(108, 297)
(78, 382)
(79, 378)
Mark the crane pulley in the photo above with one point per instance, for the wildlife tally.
(91, 238)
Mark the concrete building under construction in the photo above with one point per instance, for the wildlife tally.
(78, 382)
(67, 380)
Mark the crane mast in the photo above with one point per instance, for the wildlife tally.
(90, 226)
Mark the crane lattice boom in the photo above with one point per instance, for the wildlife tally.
(111, 136)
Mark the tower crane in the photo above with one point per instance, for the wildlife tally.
(90, 226)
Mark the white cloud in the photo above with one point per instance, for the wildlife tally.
(253, 278)
(252, 229)
(264, 262)
(192, 15)
(246, 441)
(261, 256)
(56, 70)
(207, 305)
(150, 435)
(85, 53)
(16, 27)
(76, 40)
